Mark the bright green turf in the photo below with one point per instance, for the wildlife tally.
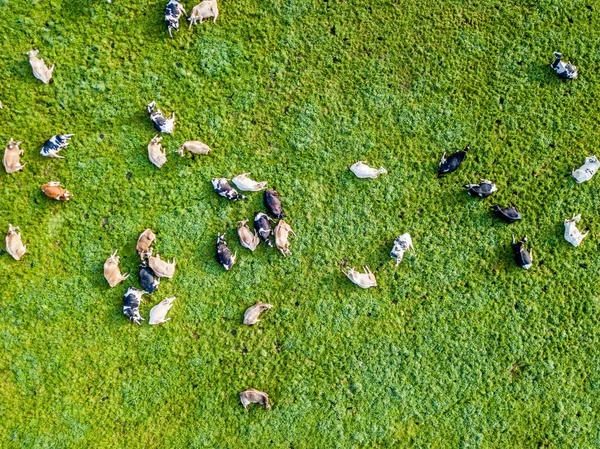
(457, 347)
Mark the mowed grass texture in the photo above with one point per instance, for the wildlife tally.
(456, 347)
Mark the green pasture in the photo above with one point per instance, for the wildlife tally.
(455, 348)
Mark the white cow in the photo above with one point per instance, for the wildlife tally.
(572, 234)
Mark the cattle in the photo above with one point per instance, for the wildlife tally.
(450, 164)
(160, 122)
(252, 396)
(156, 152)
(131, 305)
(248, 239)
(243, 182)
(262, 225)
(160, 310)
(282, 231)
(204, 10)
(53, 190)
(482, 190)
(161, 268)
(173, 12)
(12, 157)
(224, 254)
(273, 203)
(54, 144)
(507, 214)
(40, 70)
(587, 170)
(224, 189)
(194, 147)
(572, 234)
(112, 272)
(148, 280)
(144, 243)
(401, 245)
(564, 70)
(523, 258)
(253, 312)
(362, 170)
(14, 244)
(363, 280)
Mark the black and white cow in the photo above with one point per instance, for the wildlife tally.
(131, 304)
(54, 144)
(160, 122)
(224, 255)
(452, 162)
(224, 189)
(173, 13)
(484, 189)
(564, 70)
(523, 258)
(262, 225)
(507, 214)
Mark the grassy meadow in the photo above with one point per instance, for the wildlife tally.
(455, 348)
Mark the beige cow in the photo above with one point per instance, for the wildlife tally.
(40, 70)
(248, 239)
(161, 268)
(363, 280)
(282, 232)
(156, 153)
(194, 147)
(112, 272)
(252, 396)
(12, 157)
(253, 312)
(14, 245)
(204, 10)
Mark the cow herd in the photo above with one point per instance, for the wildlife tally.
(153, 268)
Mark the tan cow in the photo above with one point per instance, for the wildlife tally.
(156, 153)
(194, 147)
(12, 157)
(40, 70)
(161, 268)
(144, 242)
(248, 239)
(14, 245)
(112, 272)
(253, 312)
(252, 396)
(282, 231)
(204, 10)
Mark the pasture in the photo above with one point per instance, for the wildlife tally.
(456, 347)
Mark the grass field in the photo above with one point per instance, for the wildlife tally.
(456, 347)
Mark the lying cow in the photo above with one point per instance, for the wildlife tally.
(572, 234)
(587, 170)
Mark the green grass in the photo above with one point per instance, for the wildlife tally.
(457, 347)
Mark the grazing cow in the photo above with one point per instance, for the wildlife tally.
(452, 162)
(144, 243)
(253, 312)
(572, 234)
(224, 255)
(523, 258)
(484, 189)
(194, 147)
(262, 225)
(131, 304)
(53, 190)
(507, 214)
(161, 268)
(224, 189)
(273, 203)
(401, 245)
(160, 310)
(252, 396)
(112, 272)
(54, 144)
(282, 231)
(564, 70)
(14, 244)
(148, 280)
(242, 182)
(173, 12)
(12, 157)
(363, 280)
(247, 238)
(362, 170)
(40, 70)
(160, 122)
(587, 170)
(156, 153)
(204, 10)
